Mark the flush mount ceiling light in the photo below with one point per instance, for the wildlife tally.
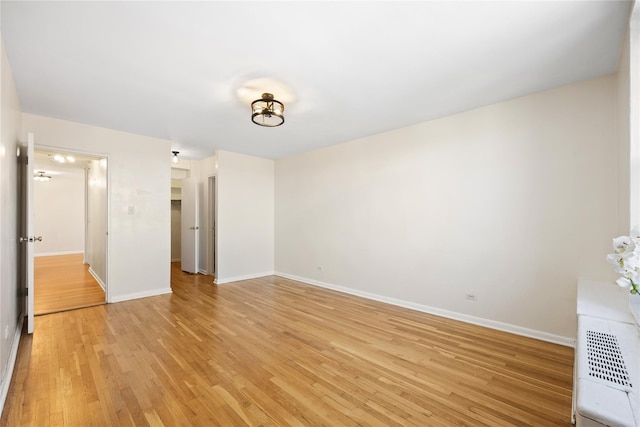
(174, 159)
(59, 158)
(40, 176)
(267, 111)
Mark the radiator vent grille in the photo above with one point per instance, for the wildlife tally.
(605, 359)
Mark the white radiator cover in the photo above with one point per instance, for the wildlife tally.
(607, 360)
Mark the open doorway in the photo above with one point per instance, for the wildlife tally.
(70, 214)
(193, 219)
(176, 220)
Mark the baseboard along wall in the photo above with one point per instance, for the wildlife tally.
(11, 363)
(219, 281)
(493, 324)
(98, 279)
(136, 295)
(59, 253)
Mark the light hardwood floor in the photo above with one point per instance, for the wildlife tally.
(63, 282)
(272, 351)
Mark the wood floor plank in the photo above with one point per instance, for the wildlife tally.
(272, 351)
(63, 282)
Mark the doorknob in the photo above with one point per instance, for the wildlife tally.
(30, 239)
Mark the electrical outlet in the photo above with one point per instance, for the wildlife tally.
(471, 297)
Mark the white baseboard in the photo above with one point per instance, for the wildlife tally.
(493, 324)
(59, 253)
(98, 279)
(219, 281)
(203, 271)
(145, 294)
(11, 363)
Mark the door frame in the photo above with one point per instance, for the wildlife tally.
(212, 242)
(26, 231)
(64, 150)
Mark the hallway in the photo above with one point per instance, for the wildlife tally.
(63, 282)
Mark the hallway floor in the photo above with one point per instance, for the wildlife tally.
(63, 282)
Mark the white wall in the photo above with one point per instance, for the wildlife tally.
(245, 216)
(176, 189)
(511, 202)
(139, 192)
(97, 220)
(11, 304)
(58, 213)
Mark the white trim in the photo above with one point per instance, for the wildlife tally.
(107, 249)
(59, 253)
(218, 281)
(211, 217)
(11, 363)
(633, 34)
(493, 324)
(98, 279)
(202, 271)
(144, 294)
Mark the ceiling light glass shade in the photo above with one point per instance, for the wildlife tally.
(40, 176)
(267, 111)
(174, 159)
(59, 158)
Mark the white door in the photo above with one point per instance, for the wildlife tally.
(212, 225)
(189, 225)
(27, 238)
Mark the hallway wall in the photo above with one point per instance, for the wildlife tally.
(59, 213)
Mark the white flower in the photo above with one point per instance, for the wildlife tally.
(623, 245)
(618, 259)
(628, 273)
(626, 260)
(623, 282)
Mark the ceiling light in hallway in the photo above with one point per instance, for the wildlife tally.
(40, 176)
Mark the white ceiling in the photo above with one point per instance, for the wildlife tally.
(173, 70)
